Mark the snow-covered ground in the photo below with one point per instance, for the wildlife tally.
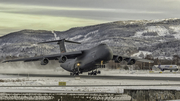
(160, 30)
(176, 29)
(143, 53)
(9, 80)
(80, 85)
(114, 89)
(53, 81)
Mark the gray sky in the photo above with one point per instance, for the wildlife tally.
(64, 14)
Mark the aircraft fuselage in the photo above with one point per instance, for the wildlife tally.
(90, 59)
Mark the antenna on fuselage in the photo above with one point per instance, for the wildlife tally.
(61, 44)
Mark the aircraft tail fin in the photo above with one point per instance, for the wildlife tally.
(61, 44)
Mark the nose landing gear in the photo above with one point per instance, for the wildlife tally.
(76, 70)
(74, 74)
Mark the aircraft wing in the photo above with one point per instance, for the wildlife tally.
(135, 58)
(69, 55)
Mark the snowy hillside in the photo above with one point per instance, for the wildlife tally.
(159, 37)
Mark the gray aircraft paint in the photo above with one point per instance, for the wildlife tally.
(90, 58)
(84, 60)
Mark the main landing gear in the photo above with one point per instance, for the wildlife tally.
(75, 73)
(94, 72)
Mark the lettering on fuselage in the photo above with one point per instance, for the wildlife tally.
(169, 66)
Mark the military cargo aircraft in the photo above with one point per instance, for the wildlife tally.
(77, 62)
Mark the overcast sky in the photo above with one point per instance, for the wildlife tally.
(61, 15)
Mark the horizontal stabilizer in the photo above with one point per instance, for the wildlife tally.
(60, 41)
(61, 44)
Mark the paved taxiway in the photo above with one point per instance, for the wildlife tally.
(101, 77)
(97, 85)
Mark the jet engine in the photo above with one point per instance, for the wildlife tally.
(44, 61)
(62, 59)
(118, 59)
(130, 61)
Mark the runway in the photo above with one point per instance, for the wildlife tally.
(111, 82)
(99, 77)
(96, 85)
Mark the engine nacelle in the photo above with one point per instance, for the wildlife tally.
(118, 59)
(44, 61)
(131, 62)
(62, 59)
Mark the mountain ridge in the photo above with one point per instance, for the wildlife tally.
(132, 35)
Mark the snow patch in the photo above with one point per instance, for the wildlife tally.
(164, 57)
(176, 29)
(86, 39)
(177, 36)
(55, 35)
(143, 53)
(105, 41)
(93, 32)
(75, 37)
(160, 30)
(160, 20)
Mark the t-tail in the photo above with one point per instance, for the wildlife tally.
(61, 44)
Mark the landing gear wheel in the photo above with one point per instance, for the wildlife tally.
(89, 73)
(77, 73)
(94, 73)
(80, 72)
(99, 72)
(170, 70)
(71, 74)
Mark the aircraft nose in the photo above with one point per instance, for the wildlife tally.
(65, 66)
(62, 65)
